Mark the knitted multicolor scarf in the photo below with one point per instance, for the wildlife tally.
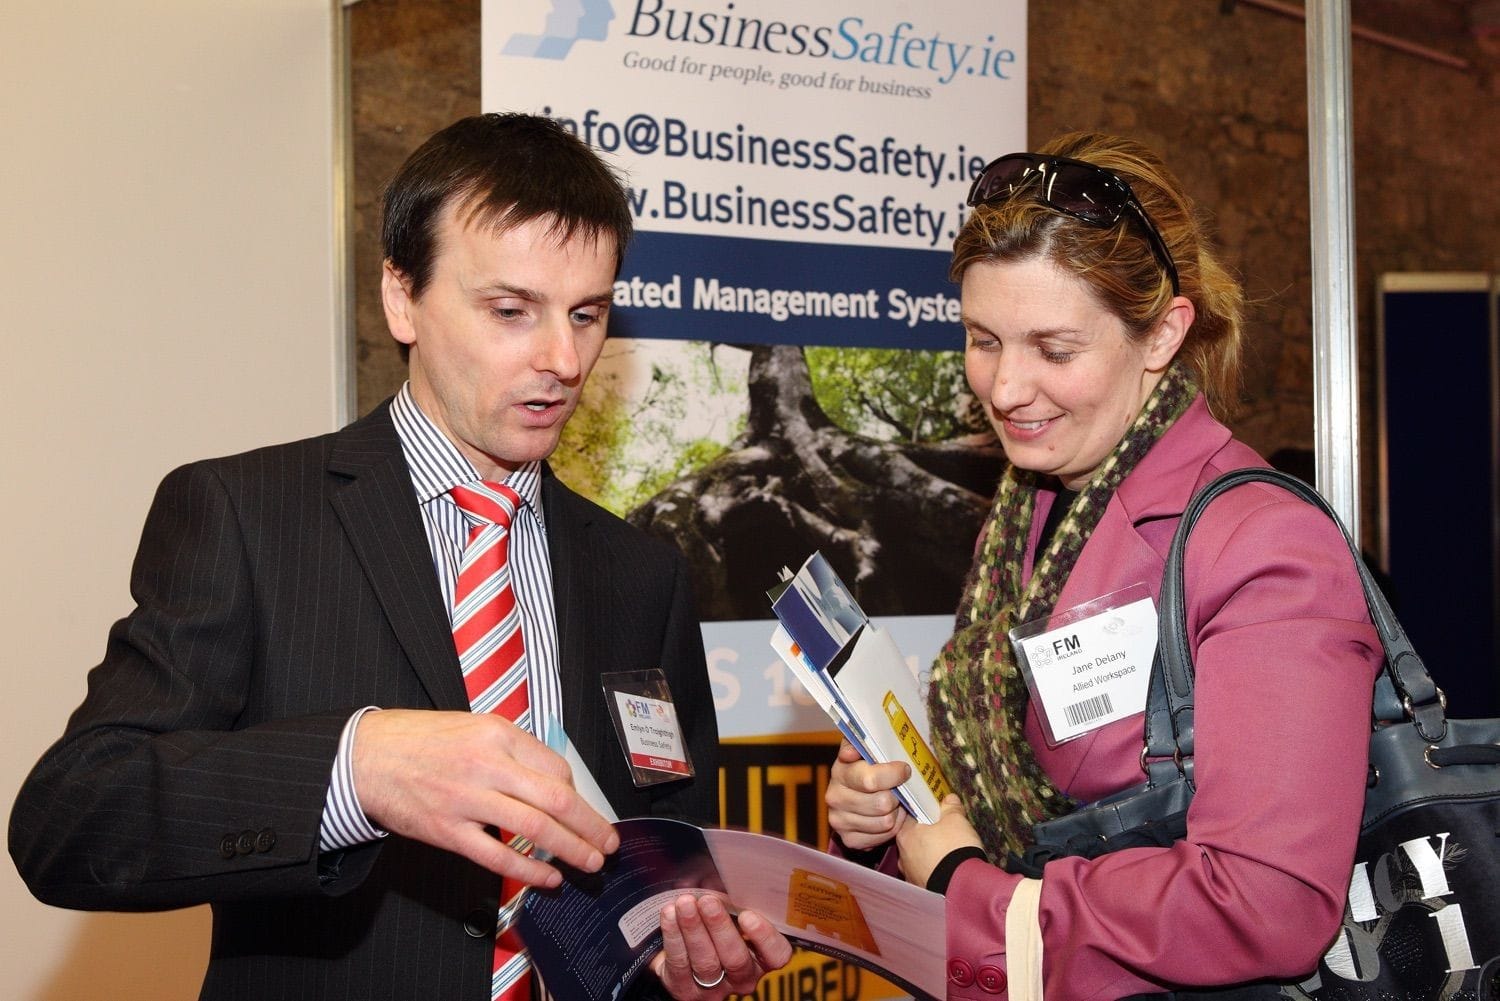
(977, 702)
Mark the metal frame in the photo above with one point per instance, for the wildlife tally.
(1335, 342)
(345, 348)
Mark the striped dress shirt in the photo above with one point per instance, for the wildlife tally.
(437, 466)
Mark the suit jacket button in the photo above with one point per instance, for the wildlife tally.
(480, 922)
(960, 972)
(226, 846)
(991, 979)
(245, 844)
(265, 840)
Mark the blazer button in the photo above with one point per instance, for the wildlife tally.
(245, 844)
(480, 922)
(991, 979)
(960, 972)
(265, 840)
(226, 846)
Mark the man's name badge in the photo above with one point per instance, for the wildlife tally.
(640, 703)
(1091, 664)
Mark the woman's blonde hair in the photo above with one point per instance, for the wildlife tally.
(1118, 263)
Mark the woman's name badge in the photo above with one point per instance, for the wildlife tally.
(640, 703)
(1091, 664)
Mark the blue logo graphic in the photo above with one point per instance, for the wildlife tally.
(568, 21)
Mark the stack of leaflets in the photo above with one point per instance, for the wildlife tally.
(854, 671)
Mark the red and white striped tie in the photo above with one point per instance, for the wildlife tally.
(487, 633)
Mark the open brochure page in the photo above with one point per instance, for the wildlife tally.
(836, 907)
(593, 936)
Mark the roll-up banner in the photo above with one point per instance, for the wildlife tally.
(784, 371)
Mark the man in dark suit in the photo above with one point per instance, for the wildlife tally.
(281, 727)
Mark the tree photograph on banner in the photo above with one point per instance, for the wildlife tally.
(750, 458)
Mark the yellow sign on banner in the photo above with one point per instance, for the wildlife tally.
(812, 976)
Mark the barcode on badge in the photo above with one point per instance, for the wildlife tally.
(1088, 709)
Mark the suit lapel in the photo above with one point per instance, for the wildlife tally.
(373, 498)
(569, 545)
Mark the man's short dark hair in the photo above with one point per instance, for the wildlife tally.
(507, 170)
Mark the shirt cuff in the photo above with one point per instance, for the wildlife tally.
(943, 873)
(344, 822)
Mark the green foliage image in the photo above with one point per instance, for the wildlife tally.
(653, 412)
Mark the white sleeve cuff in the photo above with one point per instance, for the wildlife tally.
(344, 822)
(1023, 942)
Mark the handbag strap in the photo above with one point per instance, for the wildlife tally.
(1403, 689)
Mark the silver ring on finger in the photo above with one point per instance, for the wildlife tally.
(712, 983)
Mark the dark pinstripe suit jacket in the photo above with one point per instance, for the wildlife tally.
(276, 592)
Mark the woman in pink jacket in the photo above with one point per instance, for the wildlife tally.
(1103, 338)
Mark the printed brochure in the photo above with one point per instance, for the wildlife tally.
(594, 935)
(855, 672)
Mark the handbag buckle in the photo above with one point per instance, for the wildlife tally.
(1411, 713)
(1176, 760)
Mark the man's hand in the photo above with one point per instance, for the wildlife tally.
(705, 956)
(449, 778)
(861, 805)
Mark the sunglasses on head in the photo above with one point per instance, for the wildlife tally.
(1074, 188)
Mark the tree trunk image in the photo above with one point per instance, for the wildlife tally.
(896, 520)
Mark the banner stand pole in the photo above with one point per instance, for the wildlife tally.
(1335, 345)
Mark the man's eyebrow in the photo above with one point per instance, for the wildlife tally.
(505, 288)
(601, 298)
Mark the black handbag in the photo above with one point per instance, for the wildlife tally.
(1422, 921)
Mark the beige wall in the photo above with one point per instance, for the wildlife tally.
(167, 266)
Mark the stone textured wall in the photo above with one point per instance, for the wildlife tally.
(1219, 90)
(1223, 97)
(414, 68)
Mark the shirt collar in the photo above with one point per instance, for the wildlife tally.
(436, 464)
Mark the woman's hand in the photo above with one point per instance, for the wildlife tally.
(705, 956)
(923, 846)
(861, 805)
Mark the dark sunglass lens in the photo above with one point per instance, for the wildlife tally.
(1086, 192)
(1000, 179)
